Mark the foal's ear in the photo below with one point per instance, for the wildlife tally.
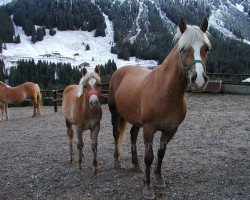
(204, 25)
(84, 71)
(97, 70)
(182, 25)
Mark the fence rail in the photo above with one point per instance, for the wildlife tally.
(54, 97)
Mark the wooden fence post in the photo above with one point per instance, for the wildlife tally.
(55, 100)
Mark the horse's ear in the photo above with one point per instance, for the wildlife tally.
(84, 71)
(204, 25)
(182, 25)
(97, 70)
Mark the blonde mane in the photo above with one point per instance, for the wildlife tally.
(85, 79)
(191, 35)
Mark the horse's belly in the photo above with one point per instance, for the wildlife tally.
(128, 108)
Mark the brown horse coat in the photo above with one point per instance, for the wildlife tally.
(19, 93)
(81, 109)
(155, 100)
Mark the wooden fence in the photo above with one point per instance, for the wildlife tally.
(216, 85)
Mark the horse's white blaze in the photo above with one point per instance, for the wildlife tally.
(198, 66)
(92, 82)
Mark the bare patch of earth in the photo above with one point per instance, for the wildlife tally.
(208, 158)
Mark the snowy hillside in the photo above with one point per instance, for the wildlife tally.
(3, 2)
(68, 47)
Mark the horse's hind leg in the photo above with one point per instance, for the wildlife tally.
(165, 138)
(70, 133)
(39, 103)
(34, 106)
(94, 136)
(133, 136)
(119, 127)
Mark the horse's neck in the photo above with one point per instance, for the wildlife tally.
(173, 77)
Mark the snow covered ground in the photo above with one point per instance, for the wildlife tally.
(69, 47)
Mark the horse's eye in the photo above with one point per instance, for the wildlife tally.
(207, 49)
(85, 86)
(183, 50)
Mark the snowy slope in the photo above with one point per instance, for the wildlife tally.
(67, 44)
(3, 2)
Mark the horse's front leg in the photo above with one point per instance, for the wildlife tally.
(70, 133)
(94, 136)
(80, 146)
(6, 110)
(148, 135)
(166, 136)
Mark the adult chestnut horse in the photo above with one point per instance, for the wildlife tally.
(81, 108)
(19, 93)
(155, 100)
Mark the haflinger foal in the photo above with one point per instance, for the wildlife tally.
(81, 108)
(155, 100)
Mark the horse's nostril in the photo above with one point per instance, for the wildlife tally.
(194, 78)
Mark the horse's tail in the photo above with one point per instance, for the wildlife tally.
(122, 130)
(39, 97)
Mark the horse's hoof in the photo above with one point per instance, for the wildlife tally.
(96, 172)
(148, 192)
(117, 165)
(159, 181)
(80, 167)
(137, 168)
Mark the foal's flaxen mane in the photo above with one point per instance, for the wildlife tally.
(191, 35)
(85, 79)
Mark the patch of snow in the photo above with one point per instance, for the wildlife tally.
(240, 7)
(3, 2)
(215, 20)
(246, 80)
(138, 29)
(70, 47)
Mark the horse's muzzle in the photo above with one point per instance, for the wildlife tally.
(94, 104)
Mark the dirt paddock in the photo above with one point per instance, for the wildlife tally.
(208, 158)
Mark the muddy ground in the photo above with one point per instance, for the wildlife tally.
(208, 158)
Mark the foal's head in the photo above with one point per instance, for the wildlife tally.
(90, 86)
(193, 46)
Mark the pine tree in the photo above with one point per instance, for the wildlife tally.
(34, 36)
(40, 34)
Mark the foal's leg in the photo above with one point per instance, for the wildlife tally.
(6, 110)
(148, 135)
(70, 133)
(119, 127)
(2, 112)
(94, 136)
(165, 138)
(133, 137)
(80, 146)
